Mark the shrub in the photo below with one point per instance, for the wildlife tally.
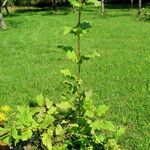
(74, 123)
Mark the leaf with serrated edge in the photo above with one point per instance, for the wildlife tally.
(120, 132)
(71, 55)
(40, 100)
(67, 30)
(46, 140)
(66, 72)
(102, 109)
(59, 130)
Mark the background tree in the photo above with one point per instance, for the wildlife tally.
(132, 3)
(2, 23)
(103, 6)
(140, 7)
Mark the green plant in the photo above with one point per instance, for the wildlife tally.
(74, 122)
(65, 125)
(145, 14)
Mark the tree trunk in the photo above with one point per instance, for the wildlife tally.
(102, 7)
(2, 24)
(7, 10)
(131, 3)
(140, 7)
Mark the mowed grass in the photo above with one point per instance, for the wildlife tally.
(30, 63)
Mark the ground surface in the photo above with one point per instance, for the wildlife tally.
(30, 62)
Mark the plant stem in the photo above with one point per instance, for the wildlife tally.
(78, 47)
(79, 68)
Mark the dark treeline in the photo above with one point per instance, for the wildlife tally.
(39, 2)
(125, 1)
(65, 2)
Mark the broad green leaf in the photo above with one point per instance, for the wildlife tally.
(24, 116)
(46, 140)
(89, 114)
(48, 120)
(64, 105)
(48, 103)
(73, 128)
(71, 55)
(99, 138)
(85, 25)
(96, 125)
(40, 100)
(59, 130)
(71, 86)
(95, 2)
(102, 109)
(88, 94)
(120, 132)
(66, 72)
(14, 132)
(75, 3)
(52, 110)
(25, 135)
(102, 125)
(67, 30)
(111, 143)
(77, 31)
(108, 125)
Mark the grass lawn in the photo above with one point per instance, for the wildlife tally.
(30, 63)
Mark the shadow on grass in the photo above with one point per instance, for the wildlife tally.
(124, 6)
(44, 11)
(118, 15)
(118, 6)
(14, 23)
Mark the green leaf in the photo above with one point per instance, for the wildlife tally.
(52, 110)
(67, 30)
(102, 109)
(95, 2)
(59, 130)
(40, 100)
(74, 128)
(66, 72)
(24, 116)
(96, 125)
(108, 125)
(120, 132)
(85, 25)
(89, 114)
(75, 3)
(64, 105)
(48, 103)
(48, 120)
(14, 132)
(99, 138)
(71, 55)
(25, 135)
(46, 140)
(102, 125)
